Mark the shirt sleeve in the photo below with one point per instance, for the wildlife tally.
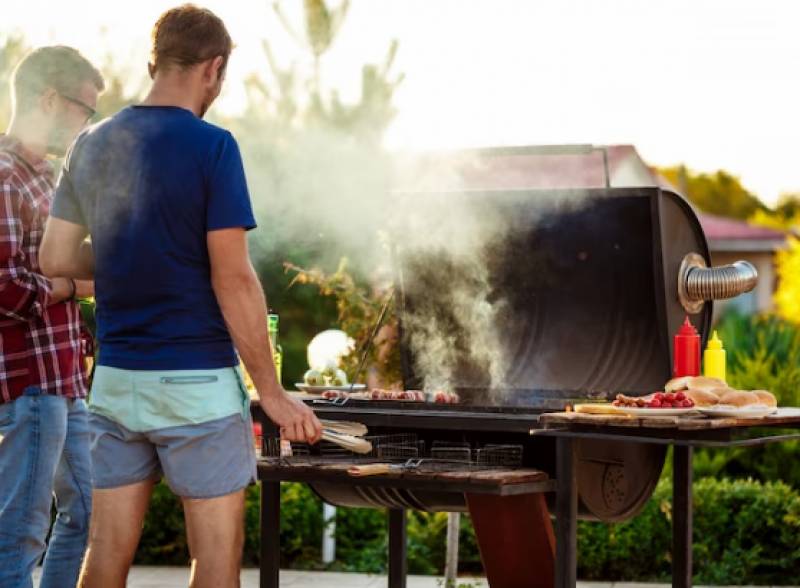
(66, 204)
(228, 203)
(23, 294)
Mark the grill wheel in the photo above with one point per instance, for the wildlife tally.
(615, 479)
(615, 487)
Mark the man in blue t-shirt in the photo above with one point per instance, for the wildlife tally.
(164, 198)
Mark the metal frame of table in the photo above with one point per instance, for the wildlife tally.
(683, 443)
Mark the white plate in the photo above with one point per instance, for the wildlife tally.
(319, 389)
(654, 412)
(740, 412)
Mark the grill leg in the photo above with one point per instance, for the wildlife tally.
(681, 517)
(516, 539)
(270, 534)
(397, 548)
(566, 514)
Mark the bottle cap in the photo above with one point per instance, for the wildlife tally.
(715, 342)
(687, 329)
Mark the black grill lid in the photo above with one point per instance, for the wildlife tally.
(582, 283)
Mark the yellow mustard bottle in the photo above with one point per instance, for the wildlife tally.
(714, 358)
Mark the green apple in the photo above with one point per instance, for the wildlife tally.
(313, 378)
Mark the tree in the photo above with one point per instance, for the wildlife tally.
(786, 217)
(788, 209)
(717, 193)
(13, 50)
(787, 296)
(315, 166)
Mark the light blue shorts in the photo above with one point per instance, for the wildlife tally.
(203, 460)
(194, 427)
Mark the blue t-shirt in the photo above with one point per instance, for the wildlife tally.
(149, 183)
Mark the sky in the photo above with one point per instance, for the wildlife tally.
(714, 84)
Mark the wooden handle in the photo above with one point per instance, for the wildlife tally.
(373, 469)
(344, 427)
(350, 443)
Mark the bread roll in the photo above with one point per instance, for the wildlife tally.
(597, 408)
(702, 397)
(739, 398)
(765, 397)
(676, 384)
(720, 392)
(694, 383)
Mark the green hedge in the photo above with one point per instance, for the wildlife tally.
(746, 532)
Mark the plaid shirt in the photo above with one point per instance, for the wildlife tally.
(40, 343)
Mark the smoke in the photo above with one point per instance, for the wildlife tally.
(325, 188)
(444, 242)
(319, 191)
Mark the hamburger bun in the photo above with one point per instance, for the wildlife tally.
(739, 398)
(702, 397)
(720, 392)
(694, 383)
(765, 397)
(676, 384)
(597, 408)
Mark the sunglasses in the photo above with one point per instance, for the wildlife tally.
(90, 112)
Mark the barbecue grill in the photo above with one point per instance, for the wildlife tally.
(587, 288)
(589, 283)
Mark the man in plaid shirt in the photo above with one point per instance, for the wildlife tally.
(44, 436)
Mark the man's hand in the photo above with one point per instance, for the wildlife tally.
(62, 290)
(296, 421)
(84, 288)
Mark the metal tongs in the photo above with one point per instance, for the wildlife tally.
(347, 435)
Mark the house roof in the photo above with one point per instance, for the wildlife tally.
(717, 227)
(727, 234)
(534, 167)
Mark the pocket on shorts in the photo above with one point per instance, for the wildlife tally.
(182, 399)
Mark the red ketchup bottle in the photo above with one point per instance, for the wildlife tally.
(686, 351)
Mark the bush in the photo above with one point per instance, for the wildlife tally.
(745, 532)
(763, 353)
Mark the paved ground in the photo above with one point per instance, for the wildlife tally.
(164, 577)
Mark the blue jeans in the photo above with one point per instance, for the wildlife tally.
(44, 450)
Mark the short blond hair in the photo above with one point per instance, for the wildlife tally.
(59, 67)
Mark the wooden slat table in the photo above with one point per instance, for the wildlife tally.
(688, 422)
(684, 433)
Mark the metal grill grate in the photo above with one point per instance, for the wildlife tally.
(402, 447)
(397, 446)
(452, 452)
(499, 456)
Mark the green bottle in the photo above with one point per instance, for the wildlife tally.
(277, 350)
